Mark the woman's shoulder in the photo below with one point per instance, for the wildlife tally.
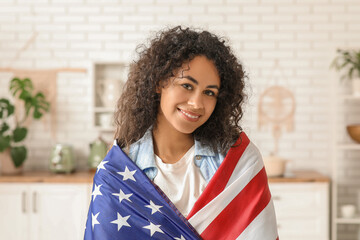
(142, 146)
(251, 151)
(247, 148)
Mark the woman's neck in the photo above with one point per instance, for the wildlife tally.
(170, 145)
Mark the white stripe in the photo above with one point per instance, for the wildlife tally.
(249, 157)
(263, 227)
(202, 219)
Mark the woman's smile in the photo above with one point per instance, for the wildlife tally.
(190, 116)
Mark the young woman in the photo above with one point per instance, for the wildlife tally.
(181, 166)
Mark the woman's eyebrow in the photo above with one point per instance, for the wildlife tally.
(197, 83)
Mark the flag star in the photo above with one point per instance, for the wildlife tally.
(128, 174)
(123, 196)
(101, 165)
(94, 219)
(182, 238)
(154, 208)
(121, 221)
(153, 228)
(96, 191)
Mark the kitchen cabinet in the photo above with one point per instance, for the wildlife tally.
(346, 176)
(44, 206)
(43, 211)
(302, 209)
(14, 220)
(108, 81)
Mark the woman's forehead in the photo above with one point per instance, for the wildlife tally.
(201, 69)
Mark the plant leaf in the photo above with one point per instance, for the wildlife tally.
(6, 107)
(19, 134)
(25, 95)
(17, 85)
(4, 127)
(18, 155)
(28, 106)
(40, 105)
(348, 62)
(4, 142)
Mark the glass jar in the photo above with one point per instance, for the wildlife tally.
(62, 158)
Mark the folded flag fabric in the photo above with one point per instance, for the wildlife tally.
(236, 204)
(126, 205)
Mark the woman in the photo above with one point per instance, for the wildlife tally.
(193, 173)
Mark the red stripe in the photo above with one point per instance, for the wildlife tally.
(222, 175)
(241, 211)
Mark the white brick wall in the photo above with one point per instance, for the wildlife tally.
(301, 35)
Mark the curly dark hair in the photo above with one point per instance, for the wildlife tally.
(137, 107)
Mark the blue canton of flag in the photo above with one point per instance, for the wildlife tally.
(125, 204)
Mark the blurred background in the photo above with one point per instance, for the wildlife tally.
(77, 53)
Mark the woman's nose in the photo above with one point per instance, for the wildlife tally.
(196, 101)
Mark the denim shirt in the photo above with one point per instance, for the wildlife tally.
(142, 153)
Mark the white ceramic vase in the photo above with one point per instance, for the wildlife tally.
(275, 166)
(109, 91)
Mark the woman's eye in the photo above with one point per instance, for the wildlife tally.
(186, 86)
(210, 93)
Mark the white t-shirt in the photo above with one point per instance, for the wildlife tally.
(182, 181)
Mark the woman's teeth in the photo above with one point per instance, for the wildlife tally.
(189, 115)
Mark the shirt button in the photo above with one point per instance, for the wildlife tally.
(198, 157)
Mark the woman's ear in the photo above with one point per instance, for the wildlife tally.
(159, 86)
(158, 89)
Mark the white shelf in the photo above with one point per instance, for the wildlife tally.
(344, 103)
(108, 79)
(355, 220)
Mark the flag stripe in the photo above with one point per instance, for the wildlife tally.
(250, 158)
(224, 172)
(261, 226)
(241, 177)
(244, 207)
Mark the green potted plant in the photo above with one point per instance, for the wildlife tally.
(12, 151)
(348, 62)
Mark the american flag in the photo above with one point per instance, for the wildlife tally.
(236, 204)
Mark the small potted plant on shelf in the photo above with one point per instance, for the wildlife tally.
(12, 151)
(348, 61)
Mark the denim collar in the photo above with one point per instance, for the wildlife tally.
(142, 151)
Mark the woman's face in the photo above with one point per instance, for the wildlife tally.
(188, 100)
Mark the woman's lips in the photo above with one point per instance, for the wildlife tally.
(190, 116)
